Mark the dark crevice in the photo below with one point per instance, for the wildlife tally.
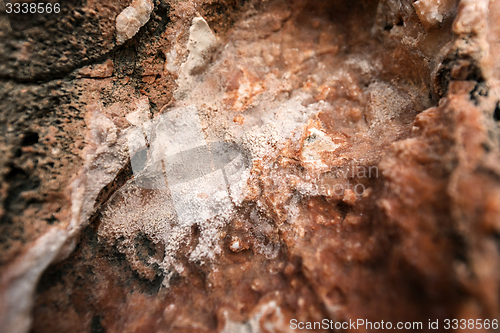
(107, 191)
(62, 74)
(460, 68)
(96, 326)
(480, 90)
(30, 138)
(496, 112)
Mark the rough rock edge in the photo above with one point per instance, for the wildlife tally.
(105, 155)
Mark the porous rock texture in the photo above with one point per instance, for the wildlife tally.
(360, 180)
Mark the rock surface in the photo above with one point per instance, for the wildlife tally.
(227, 166)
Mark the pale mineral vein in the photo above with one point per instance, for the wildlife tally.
(202, 42)
(131, 19)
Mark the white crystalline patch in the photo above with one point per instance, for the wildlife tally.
(171, 60)
(432, 12)
(237, 174)
(201, 41)
(428, 11)
(136, 141)
(292, 115)
(179, 152)
(183, 180)
(131, 19)
(316, 143)
(280, 124)
(235, 246)
(139, 120)
(266, 317)
(201, 199)
(177, 131)
(141, 113)
(385, 103)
